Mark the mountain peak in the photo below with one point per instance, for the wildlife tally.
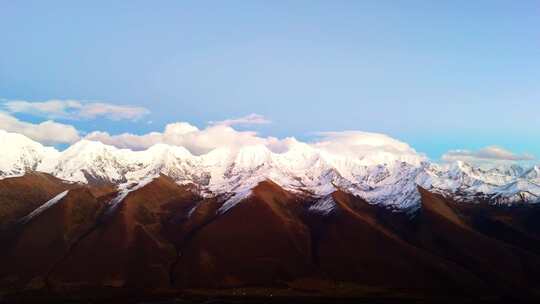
(250, 157)
(21, 154)
(88, 145)
(160, 149)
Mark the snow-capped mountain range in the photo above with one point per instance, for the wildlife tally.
(378, 177)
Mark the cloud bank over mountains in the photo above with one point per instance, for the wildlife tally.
(217, 134)
(358, 143)
(197, 141)
(48, 132)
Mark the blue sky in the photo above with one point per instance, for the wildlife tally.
(439, 76)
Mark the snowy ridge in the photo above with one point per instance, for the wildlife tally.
(500, 186)
(382, 171)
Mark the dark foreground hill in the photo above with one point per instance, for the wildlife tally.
(164, 241)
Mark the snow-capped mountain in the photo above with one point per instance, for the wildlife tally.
(387, 179)
(532, 174)
(519, 190)
(90, 161)
(466, 183)
(20, 154)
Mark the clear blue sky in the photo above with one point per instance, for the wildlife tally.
(439, 75)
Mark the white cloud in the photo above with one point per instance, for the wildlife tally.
(368, 147)
(192, 138)
(489, 154)
(371, 147)
(251, 119)
(75, 109)
(47, 132)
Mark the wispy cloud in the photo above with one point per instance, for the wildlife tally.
(487, 154)
(75, 109)
(251, 119)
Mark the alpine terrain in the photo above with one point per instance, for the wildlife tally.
(97, 220)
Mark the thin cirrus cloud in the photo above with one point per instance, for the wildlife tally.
(251, 119)
(47, 132)
(75, 109)
(487, 154)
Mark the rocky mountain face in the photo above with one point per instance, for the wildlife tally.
(304, 221)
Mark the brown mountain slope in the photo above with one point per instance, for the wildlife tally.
(20, 195)
(40, 243)
(163, 237)
(518, 225)
(356, 246)
(129, 248)
(442, 230)
(261, 241)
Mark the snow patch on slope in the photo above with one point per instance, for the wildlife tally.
(233, 201)
(124, 190)
(324, 205)
(43, 207)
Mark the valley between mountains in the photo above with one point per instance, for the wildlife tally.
(303, 221)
